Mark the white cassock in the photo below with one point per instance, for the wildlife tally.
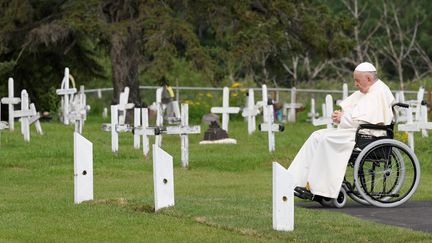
(322, 160)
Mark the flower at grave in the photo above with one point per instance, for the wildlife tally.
(208, 94)
(235, 85)
(402, 136)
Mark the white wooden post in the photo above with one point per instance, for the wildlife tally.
(250, 112)
(163, 178)
(25, 125)
(145, 124)
(105, 112)
(159, 123)
(99, 94)
(34, 118)
(137, 123)
(11, 101)
(184, 130)
(264, 103)
(83, 169)
(313, 114)
(283, 199)
(424, 121)
(225, 110)
(114, 134)
(409, 127)
(344, 91)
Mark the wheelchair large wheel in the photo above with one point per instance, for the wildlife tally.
(386, 173)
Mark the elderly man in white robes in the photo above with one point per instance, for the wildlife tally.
(319, 167)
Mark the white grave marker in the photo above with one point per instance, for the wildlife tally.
(412, 126)
(184, 130)
(114, 134)
(250, 112)
(145, 131)
(291, 117)
(283, 199)
(163, 178)
(264, 102)
(11, 101)
(225, 110)
(137, 123)
(270, 127)
(123, 106)
(313, 114)
(327, 111)
(83, 169)
(67, 94)
(28, 116)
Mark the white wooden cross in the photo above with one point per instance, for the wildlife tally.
(163, 178)
(225, 110)
(11, 101)
(28, 116)
(283, 199)
(79, 109)
(313, 114)
(264, 102)
(270, 127)
(291, 107)
(83, 169)
(250, 112)
(344, 93)
(184, 130)
(143, 129)
(67, 94)
(412, 126)
(123, 105)
(327, 112)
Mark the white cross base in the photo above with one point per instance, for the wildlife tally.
(283, 199)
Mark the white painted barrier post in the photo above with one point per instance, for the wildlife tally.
(83, 169)
(225, 110)
(163, 178)
(283, 199)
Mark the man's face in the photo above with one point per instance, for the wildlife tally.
(362, 81)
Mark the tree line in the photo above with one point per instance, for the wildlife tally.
(279, 42)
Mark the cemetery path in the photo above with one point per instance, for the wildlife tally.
(416, 215)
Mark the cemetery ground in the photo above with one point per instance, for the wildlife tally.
(225, 195)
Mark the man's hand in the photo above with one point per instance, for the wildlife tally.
(336, 116)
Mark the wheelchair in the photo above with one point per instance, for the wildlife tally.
(381, 171)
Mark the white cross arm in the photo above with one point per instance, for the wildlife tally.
(24, 113)
(409, 127)
(183, 130)
(106, 127)
(125, 106)
(321, 121)
(247, 112)
(294, 105)
(225, 110)
(34, 118)
(425, 125)
(66, 91)
(274, 127)
(12, 101)
(3, 125)
(146, 131)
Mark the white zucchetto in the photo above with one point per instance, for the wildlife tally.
(365, 67)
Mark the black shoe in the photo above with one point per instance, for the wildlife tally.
(303, 193)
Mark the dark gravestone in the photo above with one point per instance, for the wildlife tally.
(214, 132)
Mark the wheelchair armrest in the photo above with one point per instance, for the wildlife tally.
(372, 126)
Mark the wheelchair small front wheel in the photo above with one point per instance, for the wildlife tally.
(338, 202)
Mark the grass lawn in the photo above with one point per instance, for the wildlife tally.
(225, 195)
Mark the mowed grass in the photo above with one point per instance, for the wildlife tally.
(225, 195)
